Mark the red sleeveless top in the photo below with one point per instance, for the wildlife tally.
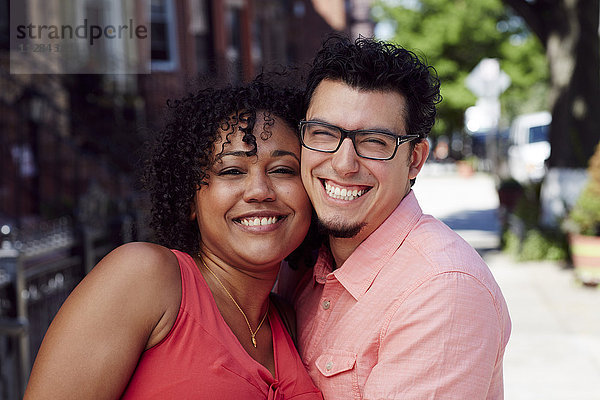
(201, 358)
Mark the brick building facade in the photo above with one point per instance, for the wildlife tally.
(63, 135)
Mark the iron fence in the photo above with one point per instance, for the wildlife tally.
(38, 270)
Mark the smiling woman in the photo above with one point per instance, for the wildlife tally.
(191, 316)
(253, 208)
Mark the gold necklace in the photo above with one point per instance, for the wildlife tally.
(252, 333)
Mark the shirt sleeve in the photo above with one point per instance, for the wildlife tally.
(444, 341)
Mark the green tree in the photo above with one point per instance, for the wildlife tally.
(454, 37)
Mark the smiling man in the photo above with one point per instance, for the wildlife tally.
(397, 305)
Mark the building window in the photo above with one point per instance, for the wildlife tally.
(163, 43)
(4, 25)
(233, 23)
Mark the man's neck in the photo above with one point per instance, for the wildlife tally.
(342, 249)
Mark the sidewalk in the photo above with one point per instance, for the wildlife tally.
(554, 349)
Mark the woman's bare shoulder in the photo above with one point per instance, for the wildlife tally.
(126, 303)
(138, 264)
(138, 271)
(140, 257)
(155, 277)
(145, 271)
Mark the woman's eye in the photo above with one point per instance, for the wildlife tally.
(230, 171)
(284, 170)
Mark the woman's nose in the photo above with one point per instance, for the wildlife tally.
(259, 188)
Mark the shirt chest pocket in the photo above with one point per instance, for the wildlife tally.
(338, 367)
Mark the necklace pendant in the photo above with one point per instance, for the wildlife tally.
(253, 341)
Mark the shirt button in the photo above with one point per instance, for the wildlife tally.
(326, 305)
(329, 365)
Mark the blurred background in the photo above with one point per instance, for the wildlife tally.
(517, 129)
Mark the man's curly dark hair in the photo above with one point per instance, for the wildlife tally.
(370, 64)
(182, 153)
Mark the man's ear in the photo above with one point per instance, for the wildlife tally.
(418, 157)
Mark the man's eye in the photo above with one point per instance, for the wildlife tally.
(374, 141)
(322, 132)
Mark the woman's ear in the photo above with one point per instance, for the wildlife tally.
(193, 209)
(418, 157)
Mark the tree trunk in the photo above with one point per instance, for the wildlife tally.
(573, 55)
(568, 29)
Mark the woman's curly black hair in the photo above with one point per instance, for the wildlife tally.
(182, 153)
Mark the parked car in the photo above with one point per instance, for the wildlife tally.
(529, 147)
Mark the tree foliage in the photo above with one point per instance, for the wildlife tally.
(455, 36)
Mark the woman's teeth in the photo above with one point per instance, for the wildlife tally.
(342, 194)
(256, 221)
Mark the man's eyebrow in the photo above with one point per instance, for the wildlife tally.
(383, 130)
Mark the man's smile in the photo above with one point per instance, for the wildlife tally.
(339, 192)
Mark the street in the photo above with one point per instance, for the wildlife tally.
(554, 349)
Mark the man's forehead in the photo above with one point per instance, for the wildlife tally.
(352, 108)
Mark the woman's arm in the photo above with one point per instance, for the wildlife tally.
(125, 305)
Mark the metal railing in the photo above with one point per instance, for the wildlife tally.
(37, 274)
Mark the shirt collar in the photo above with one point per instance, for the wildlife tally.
(360, 269)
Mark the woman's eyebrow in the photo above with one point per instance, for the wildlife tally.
(234, 154)
(274, 153)
(282, 153)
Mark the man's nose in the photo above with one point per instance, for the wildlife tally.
(345, 159)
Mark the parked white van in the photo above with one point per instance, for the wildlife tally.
(529, 146)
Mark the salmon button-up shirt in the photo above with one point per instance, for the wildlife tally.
(413, 313)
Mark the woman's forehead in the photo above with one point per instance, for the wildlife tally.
(268, 131)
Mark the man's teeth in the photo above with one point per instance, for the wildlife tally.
(342, 194)
(256, 221)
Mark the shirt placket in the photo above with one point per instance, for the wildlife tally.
(331, 292)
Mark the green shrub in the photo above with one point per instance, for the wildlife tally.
(541, 245)
(511, 243)
(536, 245)
(524, 239)
(584, 218)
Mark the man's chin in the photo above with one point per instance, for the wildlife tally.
(339, 230)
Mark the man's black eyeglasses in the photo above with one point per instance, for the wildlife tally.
(371, 144)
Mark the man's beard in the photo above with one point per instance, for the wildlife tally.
(337, 229)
